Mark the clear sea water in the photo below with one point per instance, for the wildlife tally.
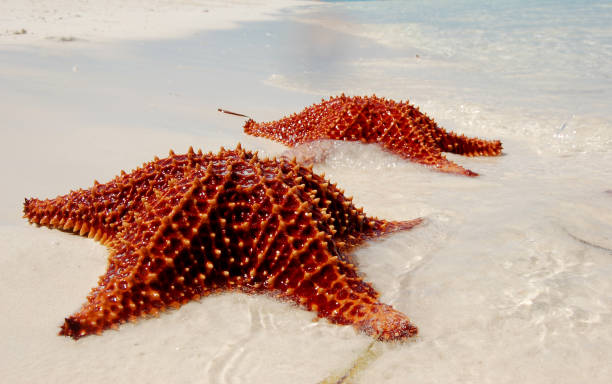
(509, 279)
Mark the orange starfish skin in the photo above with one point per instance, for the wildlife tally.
(398, 127)
(186, 226)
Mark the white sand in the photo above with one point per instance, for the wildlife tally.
(39, 22)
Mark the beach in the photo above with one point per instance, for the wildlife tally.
(508, 277)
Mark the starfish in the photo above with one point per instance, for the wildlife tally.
(399, 127)
(190, 225)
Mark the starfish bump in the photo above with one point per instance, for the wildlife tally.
(186, 226)
(398, 126)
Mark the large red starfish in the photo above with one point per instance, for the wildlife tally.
(190, 225)
(398, 127)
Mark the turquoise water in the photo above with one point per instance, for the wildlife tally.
(517, 52)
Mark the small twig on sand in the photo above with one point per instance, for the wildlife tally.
(362, 361)
(232, 113)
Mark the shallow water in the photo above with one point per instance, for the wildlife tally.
(507, 279)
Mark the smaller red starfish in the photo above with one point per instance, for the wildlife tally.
(399, 127)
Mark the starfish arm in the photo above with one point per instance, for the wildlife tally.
(82, 211)
(313, 123)
(314, 277)
(266, 130)
(168, 270)
(386, 323)
(307, 269)
(290, 130)
(101, 211)
(447, 141)
(466, 146)
(147, 285)
(376, 228)
(349, 225)
(411, 148)
(336, 293)
(106, 305)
